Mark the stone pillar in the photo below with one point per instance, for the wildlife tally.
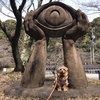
(34, 74)
(76, 74)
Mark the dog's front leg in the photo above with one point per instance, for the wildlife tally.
(65, 88)
(59, 87)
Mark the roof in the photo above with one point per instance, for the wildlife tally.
(91, 66)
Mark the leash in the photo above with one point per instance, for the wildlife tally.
(52, 91)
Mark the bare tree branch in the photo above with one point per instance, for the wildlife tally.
(16, 11)
(14, 8)
(22, 5)
(4, 4)
(19, 4)
(32, 3)
(7, 15)
(50, 0)
(39, 2)
(90, 6)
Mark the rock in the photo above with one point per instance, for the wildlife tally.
(42, 93)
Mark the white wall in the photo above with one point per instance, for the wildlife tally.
(93, 76)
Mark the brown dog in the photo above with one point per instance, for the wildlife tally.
(61, 82)
(62, 79)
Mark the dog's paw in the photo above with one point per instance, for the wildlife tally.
(59, 89)
(65, 89)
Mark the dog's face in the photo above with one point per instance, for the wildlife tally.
(62, 71)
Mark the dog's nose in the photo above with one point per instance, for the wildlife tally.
(62, 71)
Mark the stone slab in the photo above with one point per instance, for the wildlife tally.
(41, 93)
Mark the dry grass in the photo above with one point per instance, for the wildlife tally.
(94, 81)
(9, 78)
(6, 80)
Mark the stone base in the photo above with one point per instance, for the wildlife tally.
(92, 92)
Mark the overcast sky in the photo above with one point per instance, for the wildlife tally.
(68, 2)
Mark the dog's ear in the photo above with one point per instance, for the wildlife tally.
(66, 69)
(58, 69)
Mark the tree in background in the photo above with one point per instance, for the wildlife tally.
(90, 6)
(17, 11)
(17, 8)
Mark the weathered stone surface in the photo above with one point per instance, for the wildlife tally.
(72, 60)
(55, 20)
(34, 74)
(41, 93)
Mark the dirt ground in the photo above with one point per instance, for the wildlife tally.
(6, 79)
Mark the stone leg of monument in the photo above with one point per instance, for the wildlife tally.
(77, 77)
(34, 74)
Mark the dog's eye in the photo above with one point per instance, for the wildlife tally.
(64, 69)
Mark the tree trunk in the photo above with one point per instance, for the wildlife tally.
(34, 74)
(15, 49)
(16, 55)
(77, 77)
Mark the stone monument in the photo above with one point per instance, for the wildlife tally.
(55, 19)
